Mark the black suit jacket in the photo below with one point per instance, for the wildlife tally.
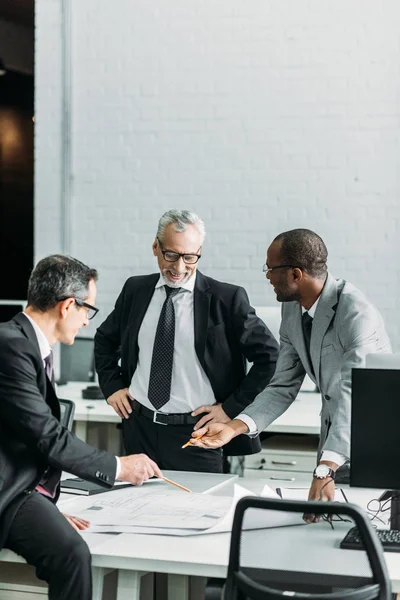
(31, 437)
(226, 331)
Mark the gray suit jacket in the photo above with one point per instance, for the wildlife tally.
(346, 327)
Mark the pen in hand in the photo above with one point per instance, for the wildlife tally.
(190, 442)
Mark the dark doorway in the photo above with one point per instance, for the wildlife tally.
(16, 183)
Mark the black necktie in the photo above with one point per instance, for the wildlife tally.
(48, 367)
(307, 328)
(163, 353)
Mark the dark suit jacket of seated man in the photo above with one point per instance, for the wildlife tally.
(34, 447)
(216, 330)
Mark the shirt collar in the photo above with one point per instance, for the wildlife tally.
(311, 311)
(189, 285)
(43, 342)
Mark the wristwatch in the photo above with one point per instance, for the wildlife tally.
(323, 471)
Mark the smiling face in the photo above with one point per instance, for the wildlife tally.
(285, 281)
(184, 242)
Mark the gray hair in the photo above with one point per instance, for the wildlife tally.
(56, 278)
(180, 219)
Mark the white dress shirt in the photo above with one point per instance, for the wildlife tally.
(190, 386)
(335, 457)
(45, 350)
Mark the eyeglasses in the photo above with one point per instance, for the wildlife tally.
(92, 310)
(267, 270)
(189, 259)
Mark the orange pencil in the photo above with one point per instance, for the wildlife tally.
(185, 489)
(190, 442)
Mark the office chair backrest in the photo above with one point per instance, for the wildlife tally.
(67, 413)
(239, 586)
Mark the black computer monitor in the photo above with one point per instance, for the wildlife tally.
(77, 361)
(375, 442)
(10, 308)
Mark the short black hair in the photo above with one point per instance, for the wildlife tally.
(58, 277)
(305, 249)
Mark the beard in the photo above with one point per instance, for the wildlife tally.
(175, 284)
(287, 295)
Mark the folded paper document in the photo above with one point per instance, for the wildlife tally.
(166, 512)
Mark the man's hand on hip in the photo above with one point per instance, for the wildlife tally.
(138, 468)
(215, 414)
(120, 401)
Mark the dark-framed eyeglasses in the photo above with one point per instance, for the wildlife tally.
(169, 256)
(267, 270)
(92, 310)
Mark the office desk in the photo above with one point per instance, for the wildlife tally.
(301, 417)
(197, 482)
(86, 411)
(207, 555)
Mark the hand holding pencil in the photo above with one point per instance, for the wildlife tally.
(212, 436)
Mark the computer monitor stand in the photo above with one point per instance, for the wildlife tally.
(394, 495)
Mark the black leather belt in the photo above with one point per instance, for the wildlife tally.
(163, 418)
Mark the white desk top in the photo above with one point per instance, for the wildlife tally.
(87, 410)
(306, 549)
(301, 417)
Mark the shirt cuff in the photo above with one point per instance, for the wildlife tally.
(335, 457)
(119, 468)
(250, 424)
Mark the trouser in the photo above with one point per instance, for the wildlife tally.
(44, 538)
(163, 444)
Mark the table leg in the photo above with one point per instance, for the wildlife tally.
(178, 587)
(129, 585)
(81, 430)
(98, 580)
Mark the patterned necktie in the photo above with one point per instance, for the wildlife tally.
(163, 353)
(48, 367)
(307, 322)
(49, 482)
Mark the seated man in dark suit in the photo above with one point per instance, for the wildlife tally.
(34, 447)
(183, 340)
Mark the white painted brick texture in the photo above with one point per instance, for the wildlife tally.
(259, 115)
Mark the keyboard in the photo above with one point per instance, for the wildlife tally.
(389, 538)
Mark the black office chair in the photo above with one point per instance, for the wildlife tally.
(240, 586)
(67, 413)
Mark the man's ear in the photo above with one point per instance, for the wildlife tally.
(65, 307)
(155, 247)
(298, 275)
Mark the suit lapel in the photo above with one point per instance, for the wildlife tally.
(47, 387)
(140, 304)
(322, 319)
(299, 335)
(202, 298)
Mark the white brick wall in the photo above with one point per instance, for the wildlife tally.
(261, 115)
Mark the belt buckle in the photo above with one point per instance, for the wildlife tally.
(155, 418)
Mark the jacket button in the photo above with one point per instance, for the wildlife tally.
(97, 474)
(327, 397)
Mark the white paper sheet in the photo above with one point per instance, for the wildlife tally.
(302, 494)
(145, 508)
(191, 516)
